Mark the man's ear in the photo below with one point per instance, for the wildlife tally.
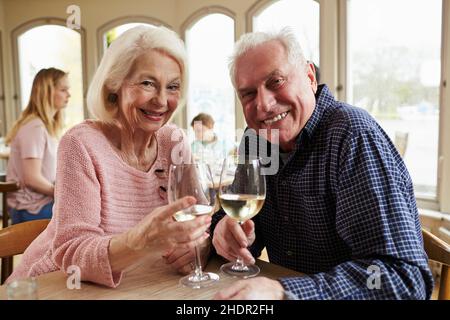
(311, 73)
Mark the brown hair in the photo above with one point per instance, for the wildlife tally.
(205, 118)
(41, 104)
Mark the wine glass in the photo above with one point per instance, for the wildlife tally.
(194, 180)
(242, 192)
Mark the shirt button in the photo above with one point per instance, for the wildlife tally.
(283, 183)
(289, 253)
(286, 218)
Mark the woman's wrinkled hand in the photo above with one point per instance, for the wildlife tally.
(160, 231)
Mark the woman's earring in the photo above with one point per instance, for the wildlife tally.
(112, 98)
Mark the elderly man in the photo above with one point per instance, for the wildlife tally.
(341, 207)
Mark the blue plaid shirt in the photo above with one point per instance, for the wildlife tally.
(342, 210)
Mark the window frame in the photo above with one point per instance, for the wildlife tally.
(444, 115)
(26, 26)
(187, 24)
(2, 91)
(118, 22)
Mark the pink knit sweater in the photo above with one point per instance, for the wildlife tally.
(97, 195)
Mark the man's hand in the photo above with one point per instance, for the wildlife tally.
(260, 288)
(231, 239)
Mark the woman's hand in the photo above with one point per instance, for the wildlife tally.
(158, 231)
(231, 239)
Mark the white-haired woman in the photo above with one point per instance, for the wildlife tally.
(111, 206)
(33, 140)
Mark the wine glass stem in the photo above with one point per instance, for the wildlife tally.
(239, 263)
(198, 263)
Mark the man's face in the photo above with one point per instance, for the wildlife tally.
(275, 94)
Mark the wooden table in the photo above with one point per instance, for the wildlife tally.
(152, 282)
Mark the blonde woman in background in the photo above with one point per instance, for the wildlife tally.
(33, 142)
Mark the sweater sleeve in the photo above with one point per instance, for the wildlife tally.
(79, 240)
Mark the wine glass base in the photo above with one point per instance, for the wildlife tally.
(192, 281)
(248, 272)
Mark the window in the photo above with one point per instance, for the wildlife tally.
(394, 73)
(113, 33)
(303, 16)
(209, 44)
(52, 46)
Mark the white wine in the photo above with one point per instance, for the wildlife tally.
(241, 207)
(192, 212)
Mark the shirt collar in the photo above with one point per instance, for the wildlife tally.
(324, 99)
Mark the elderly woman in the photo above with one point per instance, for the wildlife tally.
(111, 207)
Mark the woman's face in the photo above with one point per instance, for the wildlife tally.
(61, 94)
(150, 93)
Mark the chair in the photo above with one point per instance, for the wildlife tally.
(16, 238)
(439, 251)
(401, 142)
(6, 187)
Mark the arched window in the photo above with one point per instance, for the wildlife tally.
(45, 46)
(209, 42)
(303, 16)
(108, 32)
(110, 35)
(394, 69)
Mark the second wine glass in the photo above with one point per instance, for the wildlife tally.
(242, 193)
(194, 180)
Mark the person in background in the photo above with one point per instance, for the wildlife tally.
(111, 210)
(33, 142)
(341, 208)
(206, 145)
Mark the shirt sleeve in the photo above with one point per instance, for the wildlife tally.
(377, 218)
(79, 240)
(33, 139)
